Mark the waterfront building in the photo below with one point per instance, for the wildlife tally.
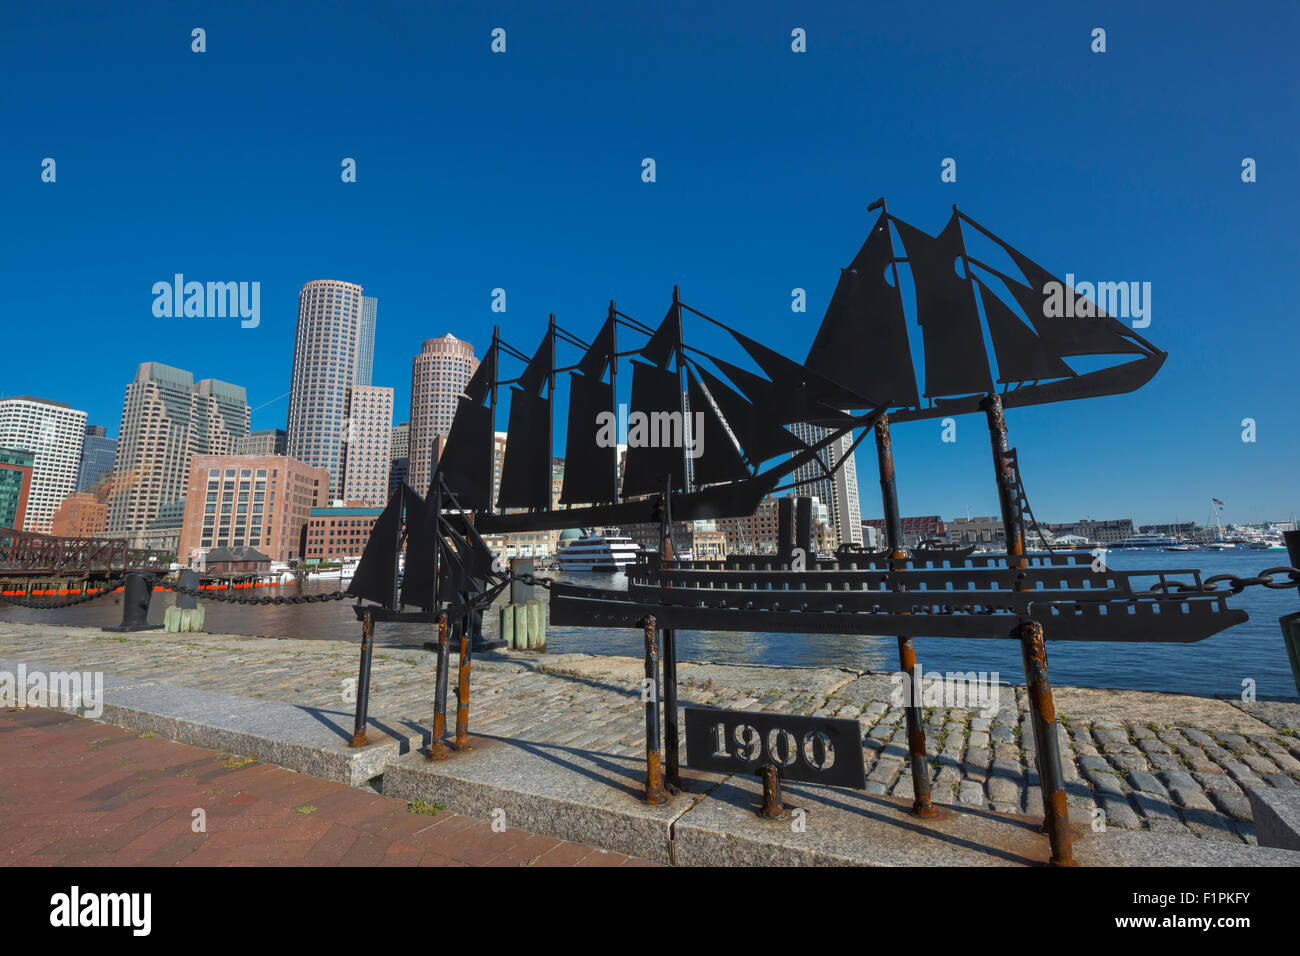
(338, 532)
(1101, 532)
(258, 501)
(367, 444)
(915, 528)
(167, 419)
(83, 514)
(53, 432)
(264, 441)
(15, 486)
(839, 492)
(163, 533)
(438, 375)
(757, 533)
(325, 348)
(986, 532)
(98, 453)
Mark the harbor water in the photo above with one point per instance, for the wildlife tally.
(1249, 655)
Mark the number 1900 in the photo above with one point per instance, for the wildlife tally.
(779, 747)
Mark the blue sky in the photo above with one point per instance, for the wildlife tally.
(522, 171)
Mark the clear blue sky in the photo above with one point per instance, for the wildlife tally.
(522, 171)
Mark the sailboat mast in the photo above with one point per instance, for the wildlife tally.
(965, 264)
(550, 414)
(679, 350)
(492, 412)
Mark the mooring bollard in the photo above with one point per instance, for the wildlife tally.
(137, 591)
(508, 625)
(654, 771)
(437, 749)
(363, 680)
(186, 615)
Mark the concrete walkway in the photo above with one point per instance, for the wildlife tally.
(1153, 764)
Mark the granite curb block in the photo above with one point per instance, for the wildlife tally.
(1277, 817)
(308, 740)
(847, 828)
(554, 791)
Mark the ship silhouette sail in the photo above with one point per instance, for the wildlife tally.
(718, 436)
(864, 334)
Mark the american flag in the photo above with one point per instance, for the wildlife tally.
(1217, 502)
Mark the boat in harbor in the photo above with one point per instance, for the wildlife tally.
(607, 552)
(1148, 539)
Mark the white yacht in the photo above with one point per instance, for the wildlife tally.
(1147, 539)
(598, 552)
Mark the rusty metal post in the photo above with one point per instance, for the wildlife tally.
(772, 808)
(438, 749)
(1042, 709)
(462, 691)
(363, 680)
(654, 771)
(672, 749)
(1033, 649)
(921, 805)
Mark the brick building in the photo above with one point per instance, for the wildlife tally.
(256, 501)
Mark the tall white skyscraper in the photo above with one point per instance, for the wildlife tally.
(366, 342)
(53, 432)
(840, 492)
(324, 368)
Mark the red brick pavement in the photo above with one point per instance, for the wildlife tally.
(82, 793)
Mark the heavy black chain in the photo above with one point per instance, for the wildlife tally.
(1235, 583)
(109, 588)
(278, 599)
(531, 580)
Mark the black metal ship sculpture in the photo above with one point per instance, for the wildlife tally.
(759, 433)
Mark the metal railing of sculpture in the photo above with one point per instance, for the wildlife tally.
(733, 447)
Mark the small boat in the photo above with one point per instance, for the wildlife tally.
(601, 552)
(1181, 547)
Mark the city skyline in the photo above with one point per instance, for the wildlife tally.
(766, 161)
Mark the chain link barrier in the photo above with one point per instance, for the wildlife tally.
(110, 587)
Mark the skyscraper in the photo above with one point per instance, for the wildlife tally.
(167, 419)
(53, 432)
(367, 440)
(438, 376)
(840, 492)
(97, 456)
(366, 342)
(324, 367)
(265, 441)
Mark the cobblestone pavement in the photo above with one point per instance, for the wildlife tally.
(77, 792)
(1166, 763)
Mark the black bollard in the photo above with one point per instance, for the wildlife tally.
(136, 595)
(189, 579)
